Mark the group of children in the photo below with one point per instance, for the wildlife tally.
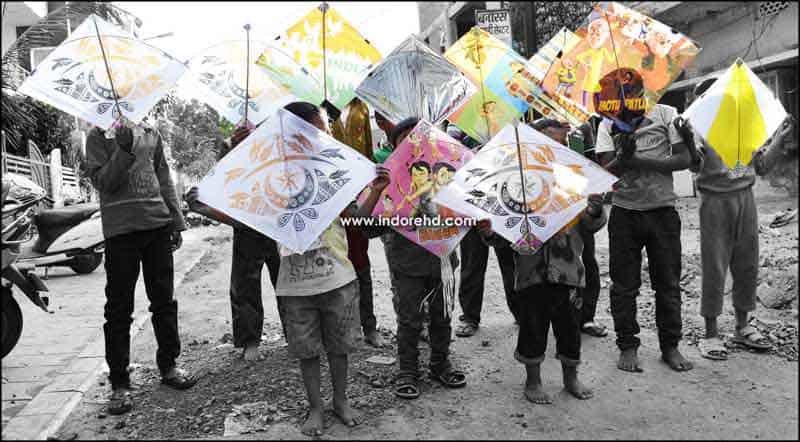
(322, 314)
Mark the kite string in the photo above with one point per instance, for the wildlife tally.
(616, 58)
(483, 91)
(108, 69)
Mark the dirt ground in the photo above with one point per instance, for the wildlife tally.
(751, 396)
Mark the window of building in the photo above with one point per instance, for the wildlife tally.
(765, 9)
(52, 6)
(21, 30)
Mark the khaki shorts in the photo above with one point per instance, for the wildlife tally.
(325, 323)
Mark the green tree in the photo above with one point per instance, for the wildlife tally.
(191, 133)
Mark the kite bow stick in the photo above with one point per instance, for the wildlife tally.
(247, 75)
(324, 8)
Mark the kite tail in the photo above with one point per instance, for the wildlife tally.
(448, 286)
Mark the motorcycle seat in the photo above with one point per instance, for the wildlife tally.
(65, 216)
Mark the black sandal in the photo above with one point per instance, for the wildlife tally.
(450, 378)
(466, 330)
(406, 387)
(181, 381)
(594, 329)
(120, 402)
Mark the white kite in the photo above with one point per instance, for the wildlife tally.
(527, 201)
(75, 76)
(287, 180)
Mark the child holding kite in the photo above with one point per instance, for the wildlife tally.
(729, 232)
(319, 302)
(416, 276)
(548, 283)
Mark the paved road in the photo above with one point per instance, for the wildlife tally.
(59, 355)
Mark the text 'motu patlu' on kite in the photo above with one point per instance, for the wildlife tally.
(618, 45)
(102, 73)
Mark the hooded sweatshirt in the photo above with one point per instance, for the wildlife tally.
(136, 190)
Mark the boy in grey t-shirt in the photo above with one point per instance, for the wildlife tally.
(643, 216)
(729, 234)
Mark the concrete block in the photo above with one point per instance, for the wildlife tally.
(46, 403)
(26, 427)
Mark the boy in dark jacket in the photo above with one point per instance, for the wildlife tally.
(142, 224)
(548, 284)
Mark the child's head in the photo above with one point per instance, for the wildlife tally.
(553, 128)
(308, 112)
(703, 86)
(385, 125)
(402, 129)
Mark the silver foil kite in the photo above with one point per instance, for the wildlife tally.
(414, 81)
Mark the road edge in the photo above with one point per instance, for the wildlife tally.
(51, 427)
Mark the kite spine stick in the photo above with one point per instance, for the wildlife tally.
(522, 176)
(108, 69)
(247, 76)
(324, 53)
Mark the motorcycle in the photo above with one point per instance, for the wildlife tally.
(70, 236)
(17, 213)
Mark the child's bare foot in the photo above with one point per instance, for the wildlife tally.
(536, 394)
(629, 361)
(675, 360)
(347, 415)
(573, 385)
(314, 423)
(373, 338)
(577, 389)
(250, 353)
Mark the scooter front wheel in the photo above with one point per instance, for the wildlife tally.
(12, 322)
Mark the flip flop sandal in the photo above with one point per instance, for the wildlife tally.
(750, 337)
(120, 403)
(406, 387)
(466, 330)
(784, 218)
(451, 378)
(713, 348)
(594, 329)
(181, 381)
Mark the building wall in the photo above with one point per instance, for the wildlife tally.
(19, 14)
(726, 35)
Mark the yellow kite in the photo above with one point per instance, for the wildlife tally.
(736, 115)
(332, 50)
